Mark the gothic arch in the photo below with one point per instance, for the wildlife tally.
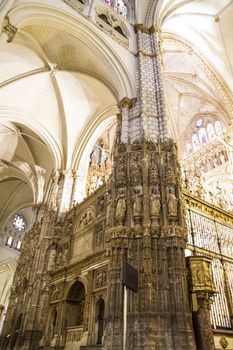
(85, 218)
(100, 310)
(75, 304)
(22, 117)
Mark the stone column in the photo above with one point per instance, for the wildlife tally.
(145, 220)
(124, 106)
(66, 191)
(75, 188)
(202, 291)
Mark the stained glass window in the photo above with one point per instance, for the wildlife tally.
(189, 147)
(119, 6)
(19, 222)
(203, 137)
(200, 122)
(18, 246)
(9, 241)
(218, 128)
(210, 131)
(195, 142)
(204, 131)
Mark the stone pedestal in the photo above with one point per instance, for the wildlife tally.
(202, 291)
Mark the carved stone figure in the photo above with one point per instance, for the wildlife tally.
(137, 203)
(121, 174)
(65, 255)
(198, 276)
(52, 257)
(100, 279)
(59, 257)
(155, 203)
(99, 240)
(136, 172)
(108, 208)
(86, 219)
(172, 202)
(121, 208)
(154, 174)
(100, 207)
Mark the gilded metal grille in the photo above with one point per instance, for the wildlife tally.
(219, 313)
(207, 236)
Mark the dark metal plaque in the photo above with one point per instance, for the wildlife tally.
(130, 277)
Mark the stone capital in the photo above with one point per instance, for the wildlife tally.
(140, 27)
(127, 103)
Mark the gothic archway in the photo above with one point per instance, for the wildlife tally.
(75, 303)
(100, 312)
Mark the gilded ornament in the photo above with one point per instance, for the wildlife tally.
(223, 342)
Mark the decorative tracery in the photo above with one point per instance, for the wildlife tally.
(112, 25)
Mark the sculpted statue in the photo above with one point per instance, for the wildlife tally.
(135, 172)
(108, 209)
(172, 203)
(99, 236)
(198, 276)
(100, 208)
(121, 173)
(52, 256)
(59, 258)
(121, 208)
(65, 255)
(137, 203)
(154, 175)
(155, 203)
(100, 279)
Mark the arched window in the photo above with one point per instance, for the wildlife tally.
(119, 6)
(188, 147)
(218, 128)
(203, 131)
(202, 137)
(195, 142)
(210, 131)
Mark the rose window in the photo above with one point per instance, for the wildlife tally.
(19, 222)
